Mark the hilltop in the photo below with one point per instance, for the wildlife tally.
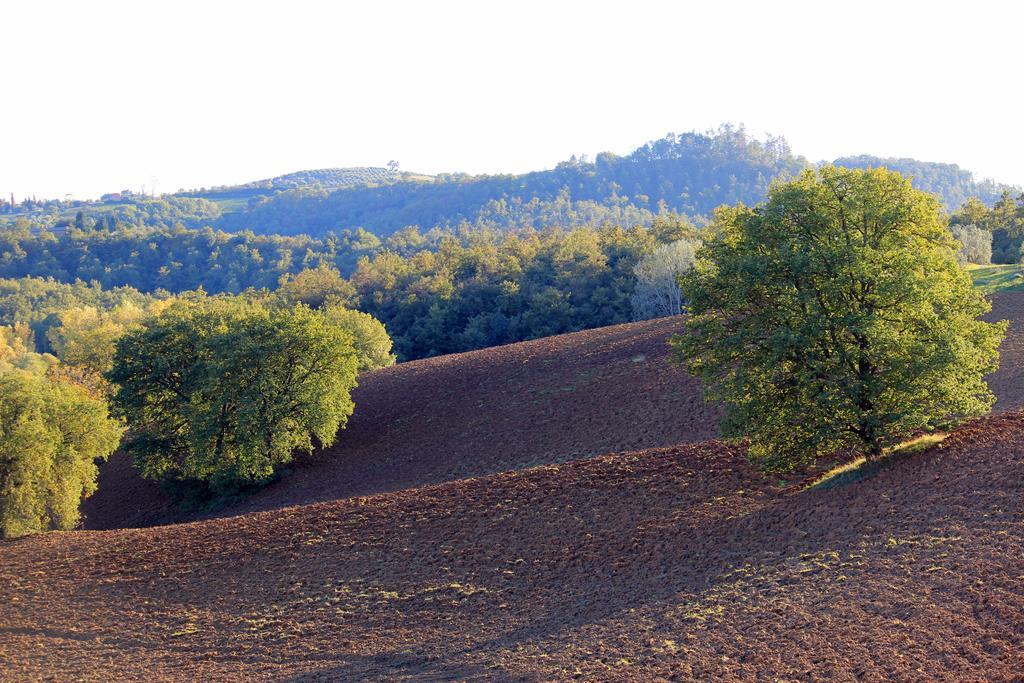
(690, 173)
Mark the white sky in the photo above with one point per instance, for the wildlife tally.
(100, 96)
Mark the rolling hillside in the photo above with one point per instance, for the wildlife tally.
(436, 544)
(472, 414)
(679, 563)
(495, 410)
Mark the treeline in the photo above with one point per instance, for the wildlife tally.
(438, 292)
(175, 259)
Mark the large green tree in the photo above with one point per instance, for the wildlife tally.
(835, 316)
(222, 390)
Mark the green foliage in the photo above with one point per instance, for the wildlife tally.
(498, 288)
(51, 433)
(175, 260)
(223, 390)
(835, 316)
(86, 336)
(1004, 221)
(40, 302)
(315, 286)
(369, 336)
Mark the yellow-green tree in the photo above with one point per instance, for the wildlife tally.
(315, 286)
(369, 336)
(835, 316)
(223, 390)
(86, 335)
(51, 433)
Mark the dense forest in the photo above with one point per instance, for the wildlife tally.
(449, 263)
(179, 259)
(437, 292)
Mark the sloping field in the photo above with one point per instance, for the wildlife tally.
(678, 564)
(472, 414)
(500, 409)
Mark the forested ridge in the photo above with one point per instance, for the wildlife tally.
(690, 174)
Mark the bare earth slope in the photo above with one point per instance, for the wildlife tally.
(679, 563)
(500, 409)
(471, 414)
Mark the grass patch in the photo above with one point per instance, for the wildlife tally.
(1001, 278)
(860, 468)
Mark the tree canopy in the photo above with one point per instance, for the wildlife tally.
(835, 316)
(223, 390)
(51, 434)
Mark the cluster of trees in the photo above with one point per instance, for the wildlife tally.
(221, 391)
(38, 303)
(1003, 223)
(216, 392)
(137, 211)
(438, 292)
(498, 287)
(835, 317)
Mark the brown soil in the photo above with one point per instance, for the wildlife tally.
(676, 561)
(496, 410)
(471, 414)
(679, 563)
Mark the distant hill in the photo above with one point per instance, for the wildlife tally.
(327, 178)
(691, 173)
(951, 183)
